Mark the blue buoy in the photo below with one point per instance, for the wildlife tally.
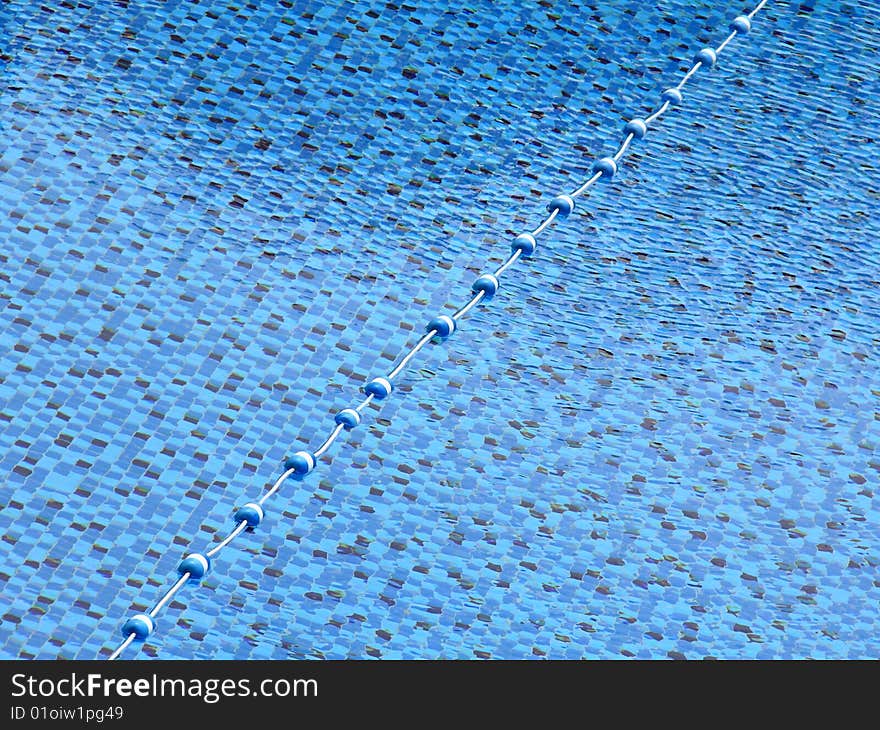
(487, 283)
(348, 417)
(563, 204)
(140, 625)
(607, 166)
(379, 388)
(636, 127)
(252, 513)
(524, 242)
(196, 564)
(706, 57)
(673, 96)
(741, 24)
(302, 462)
(442, 325)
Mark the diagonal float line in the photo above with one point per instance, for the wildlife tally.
(196, 565)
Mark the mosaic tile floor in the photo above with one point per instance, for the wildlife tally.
(661, 438)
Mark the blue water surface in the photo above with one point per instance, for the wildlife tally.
(660, 439)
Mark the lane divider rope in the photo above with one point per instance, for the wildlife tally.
(195, 566)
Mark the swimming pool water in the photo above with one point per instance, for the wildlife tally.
(660, 439)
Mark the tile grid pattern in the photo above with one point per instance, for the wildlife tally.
(220, 219)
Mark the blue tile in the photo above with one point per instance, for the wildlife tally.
(660, 439)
